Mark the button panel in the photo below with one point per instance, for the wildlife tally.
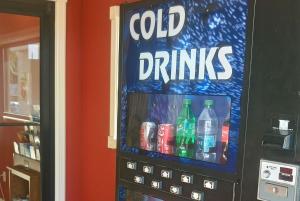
(169, 180)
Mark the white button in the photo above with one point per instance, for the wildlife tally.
(166, 174)
(210, 184)
(197, 195)
(188, 179)
(148, 169)
(156, 184)
(175, 190)
(131, 165)
(139, 179)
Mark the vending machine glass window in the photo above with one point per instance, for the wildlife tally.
(187, 126)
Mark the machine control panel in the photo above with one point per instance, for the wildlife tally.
(278, 181)
(181, 184)
(280, 173)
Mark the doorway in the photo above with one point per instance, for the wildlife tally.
(27, 127)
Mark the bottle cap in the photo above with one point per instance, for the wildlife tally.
(187, 101)
(208, 103)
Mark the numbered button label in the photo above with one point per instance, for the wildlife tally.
(210, 184)
(188, 179)
(148, 169)
(156, 184)
(139, 179)
(196, 195)
(177, 190)
(131, 165)
(166, 174)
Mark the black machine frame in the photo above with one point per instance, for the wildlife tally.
(45, 11)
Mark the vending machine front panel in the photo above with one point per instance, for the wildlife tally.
(182, 83)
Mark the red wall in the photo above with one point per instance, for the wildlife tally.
(73, 99)
(90, 165)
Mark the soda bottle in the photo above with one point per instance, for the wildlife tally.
(185, 136)
(225, 136)
(207, 133)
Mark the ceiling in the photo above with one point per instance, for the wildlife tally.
(12, 23)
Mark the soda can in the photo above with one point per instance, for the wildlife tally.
(166, 139)
(148, 136)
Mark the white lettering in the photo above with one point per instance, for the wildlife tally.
(145, 56)
(147, 34)
(206, 63)
(174, 65)
(133, 33)
(160, 32)
(186, 60)
(173, 31)
(147, 29)
(225, 63)
(161, 66)
(189, 61)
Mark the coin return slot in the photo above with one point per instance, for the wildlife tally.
(279, 191)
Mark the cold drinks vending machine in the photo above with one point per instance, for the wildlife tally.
(209, 101)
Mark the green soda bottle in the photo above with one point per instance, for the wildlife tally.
(185, 136)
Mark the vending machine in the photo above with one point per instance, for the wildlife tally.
(209, 101)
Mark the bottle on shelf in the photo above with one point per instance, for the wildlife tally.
(225, 139)
(207, 133)
(185, 136)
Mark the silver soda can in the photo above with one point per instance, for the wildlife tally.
(148, 136)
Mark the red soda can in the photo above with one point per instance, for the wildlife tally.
(148, 136)
(166, 139)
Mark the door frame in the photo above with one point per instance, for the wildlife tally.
(55, 176)
(60, 99)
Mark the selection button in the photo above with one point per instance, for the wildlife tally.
(210, 184)
(196, 195)
(131, 165)
(139, 179)
(188, 179)
(156, 184)
(166, 174)
(148, 169)
(177, 190)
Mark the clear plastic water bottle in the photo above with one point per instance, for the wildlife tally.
(207, 133)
